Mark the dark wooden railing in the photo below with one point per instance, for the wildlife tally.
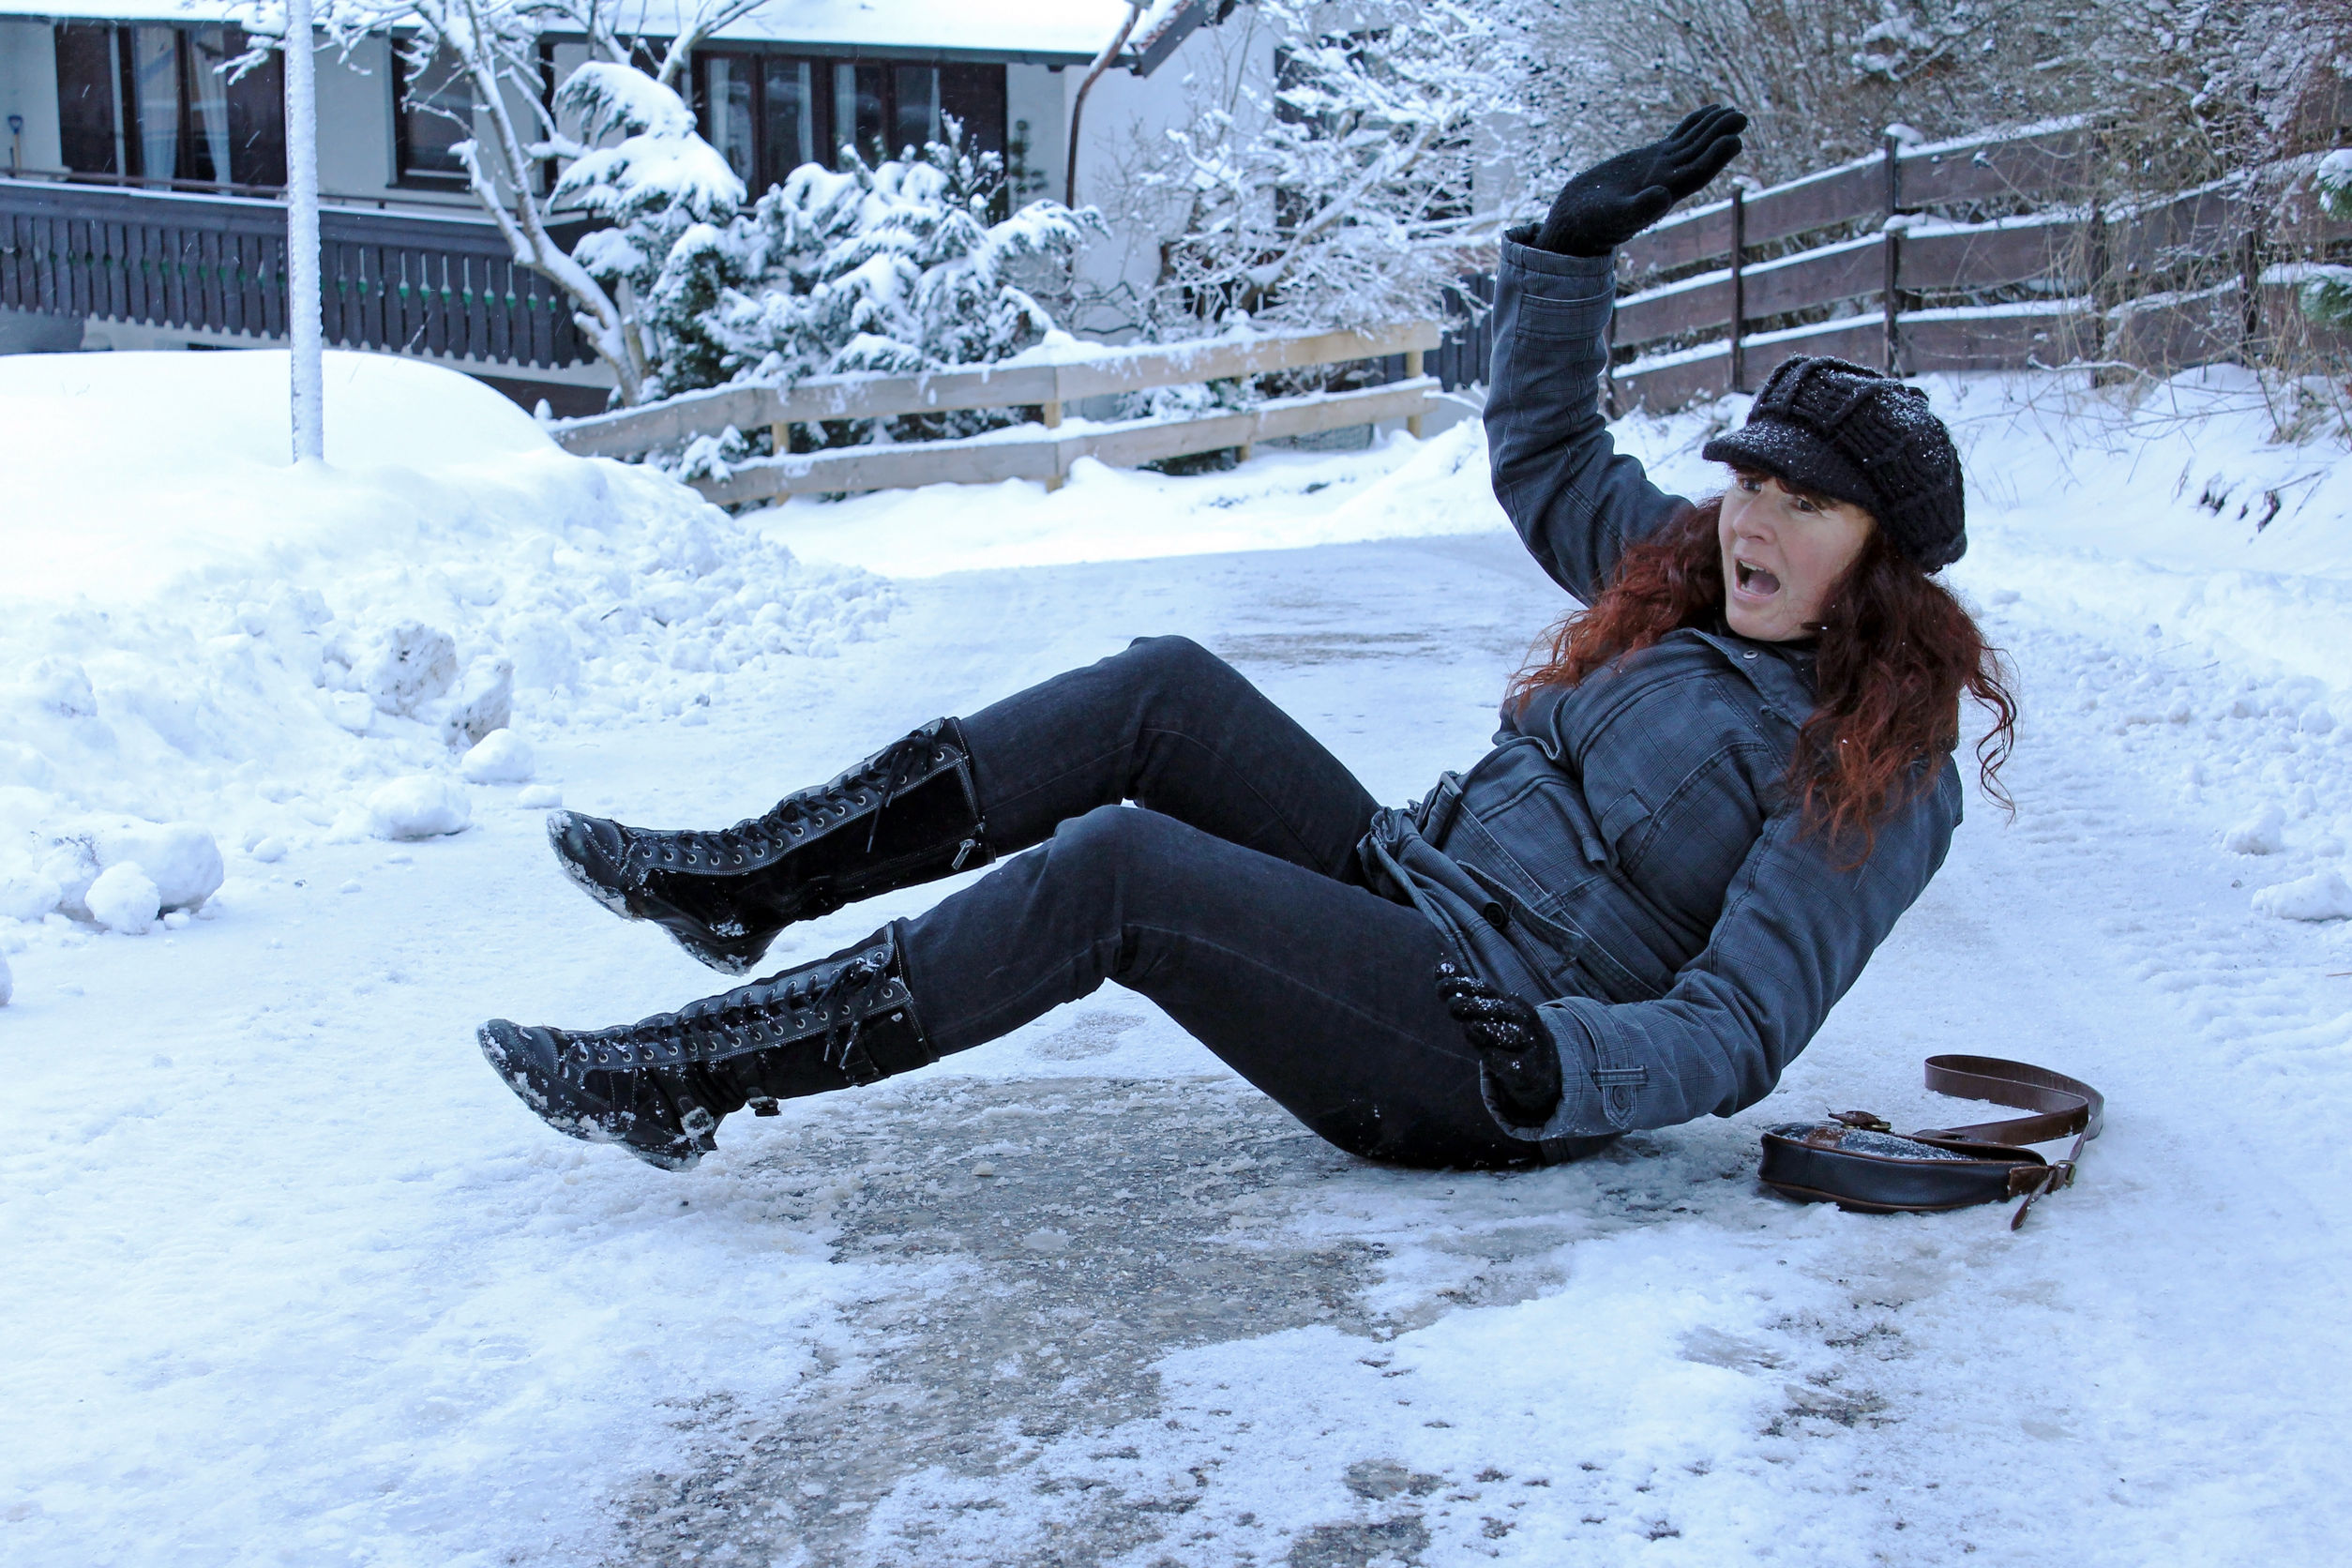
(407, 283)
(1984, 254)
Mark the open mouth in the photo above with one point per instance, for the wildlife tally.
(1756, 579)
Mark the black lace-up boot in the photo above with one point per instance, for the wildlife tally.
(905, 815)
(659, 1087)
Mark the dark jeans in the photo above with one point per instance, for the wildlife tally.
(1233, 899)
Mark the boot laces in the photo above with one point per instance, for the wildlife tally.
(835, 989)
(887, 774)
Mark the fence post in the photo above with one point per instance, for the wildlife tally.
(1890, 246)
(1739, 290)
(1412, 373)
(1051, 413)
(2250, 286)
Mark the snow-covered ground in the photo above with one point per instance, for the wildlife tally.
(292, 1278)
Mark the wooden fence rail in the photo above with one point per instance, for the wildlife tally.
(1041, 451)
(2068, 280)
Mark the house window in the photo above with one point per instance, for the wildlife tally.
(90, 106)
(788, 119)
(149, 104)
(432, 104)
(767, 114)
(974, 96)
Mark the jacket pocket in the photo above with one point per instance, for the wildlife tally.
(1556, 320)
(1625, 824)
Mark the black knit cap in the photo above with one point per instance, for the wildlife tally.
(1855, 435)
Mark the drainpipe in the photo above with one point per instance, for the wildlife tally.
(1077, 105)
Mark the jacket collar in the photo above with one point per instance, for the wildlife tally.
(1782, 673)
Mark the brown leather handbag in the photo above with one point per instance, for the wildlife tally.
(1856, 1161)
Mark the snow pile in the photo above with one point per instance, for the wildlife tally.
(202, 647)
(2322, 896)
(2264, 832)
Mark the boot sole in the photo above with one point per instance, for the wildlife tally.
(513, 1058)
(736, 956)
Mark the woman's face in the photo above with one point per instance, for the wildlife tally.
(1782, 552)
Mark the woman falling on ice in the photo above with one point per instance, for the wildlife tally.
(1706, 807)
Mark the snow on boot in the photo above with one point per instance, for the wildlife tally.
(658, 1087)
(907, 814)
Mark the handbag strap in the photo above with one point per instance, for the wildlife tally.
(2065, 1105)
(2062, 1104)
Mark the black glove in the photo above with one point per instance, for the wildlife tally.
(1610, 202)
(1511, 1040)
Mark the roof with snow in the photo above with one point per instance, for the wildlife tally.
(1053, 32)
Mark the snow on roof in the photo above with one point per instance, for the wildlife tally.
(1076, 29)
(1051, 30)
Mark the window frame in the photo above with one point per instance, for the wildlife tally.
(406, 176)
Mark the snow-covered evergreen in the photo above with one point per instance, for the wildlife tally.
(891, 269)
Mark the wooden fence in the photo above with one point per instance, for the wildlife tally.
(1044, 450)
(406, 283)
(1712, 299)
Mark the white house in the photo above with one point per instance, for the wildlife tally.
(142, 190)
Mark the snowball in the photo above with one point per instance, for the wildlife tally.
(123, 899)
(7, 982)
(501, 757)
(28, 895)
(269, 852)
(2321, 895)
(2316, 719)
(421, 805)
(180, 858)
(2261, 834)
(540, 797)
(413, 663)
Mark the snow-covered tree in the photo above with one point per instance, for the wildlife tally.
(1345, 195)
(654, 183)
(891, 269)
(1818, 79)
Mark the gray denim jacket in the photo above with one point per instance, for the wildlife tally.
(1626, 857)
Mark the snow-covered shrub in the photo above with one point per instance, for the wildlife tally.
(2325, 294)
(891, 269)
(660, 186)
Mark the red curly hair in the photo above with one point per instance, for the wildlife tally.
(1896, 650)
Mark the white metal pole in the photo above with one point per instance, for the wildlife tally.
(302, 236)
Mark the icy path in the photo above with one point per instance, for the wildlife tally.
(291, 1279)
